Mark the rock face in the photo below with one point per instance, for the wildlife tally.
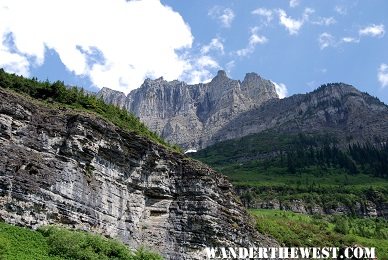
(190, 115)
(338, 109)
(196, 116)
(361, 208)
(59, 166)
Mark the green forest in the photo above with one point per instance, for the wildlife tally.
(316, 169)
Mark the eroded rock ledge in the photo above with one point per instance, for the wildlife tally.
(76, 169)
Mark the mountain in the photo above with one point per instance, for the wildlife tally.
(196, 116)
(338, 109)
(323, 152)
(190, 115)
(72, 167)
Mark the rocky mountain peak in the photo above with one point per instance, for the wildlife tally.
(222, 73)
(189, 115)
(251, 76)
(220, 79)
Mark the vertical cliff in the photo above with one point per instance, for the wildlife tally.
(190, 115)
(72, 168)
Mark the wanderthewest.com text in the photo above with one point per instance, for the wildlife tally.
(290, 253)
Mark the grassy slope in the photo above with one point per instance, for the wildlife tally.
(51, 243)
(292, 229)
(254, 161)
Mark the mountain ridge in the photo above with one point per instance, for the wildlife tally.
(229, 109)
(335, 108)
(189, 115)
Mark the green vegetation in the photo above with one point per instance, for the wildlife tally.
(75, 98)
(292, 229)
(54, 243)
(311, 168)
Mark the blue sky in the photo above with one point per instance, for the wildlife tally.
(298, 44)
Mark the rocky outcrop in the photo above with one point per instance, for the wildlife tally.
(316, 204)
(59, 166)
(196, 116)
(339, 109)
(190, 115)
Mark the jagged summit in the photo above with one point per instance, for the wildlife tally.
(190, 115)
(251, 76)
(221, 73)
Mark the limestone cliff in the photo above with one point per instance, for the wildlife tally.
(190, 115)
(72, 168)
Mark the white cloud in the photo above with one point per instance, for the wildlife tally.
(266, 13)
(350, 40)
(326, 40)
(372, 31)
(342, 10)
(254, 40)
(294, 3)
(281, 89)
(74, 29)
(12, 61)
(325, 21)
(382, 75)
(294, 25)
(224, 15)
(199, 69)
(215, 44)
(229, 67)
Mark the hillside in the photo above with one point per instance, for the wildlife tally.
(307, 173)
(321, 152)
(54, 243)
(71, 166)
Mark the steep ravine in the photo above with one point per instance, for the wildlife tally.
(59, 166)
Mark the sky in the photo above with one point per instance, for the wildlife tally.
(297, 44)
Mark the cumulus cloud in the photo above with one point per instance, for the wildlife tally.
(266, 13)
(254, 40)
(382, 75)
(294, 3)
(13, 61)
(281, 89)
(293, 25)
(199, 69)
(326, 40)
(77, 30)
(224, 15)
(215, 44)
(372, 30)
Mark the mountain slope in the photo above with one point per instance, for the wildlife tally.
(338, 109)
(189, 115)
(62, 166)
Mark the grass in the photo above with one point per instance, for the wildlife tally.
(259, 166)
(54, 243)
(294, 229)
